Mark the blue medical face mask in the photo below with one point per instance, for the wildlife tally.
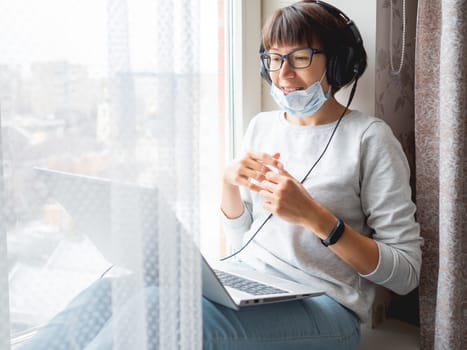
(301, 103)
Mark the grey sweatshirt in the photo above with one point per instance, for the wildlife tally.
(363, 178)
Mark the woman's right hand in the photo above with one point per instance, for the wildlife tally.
(252, 166)
(242, 172)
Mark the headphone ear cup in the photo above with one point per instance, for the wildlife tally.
(332, 65)
(342, 67)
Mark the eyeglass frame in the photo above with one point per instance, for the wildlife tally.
(286, 57)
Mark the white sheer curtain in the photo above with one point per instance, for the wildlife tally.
(105, 95)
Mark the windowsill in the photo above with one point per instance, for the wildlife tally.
(20, 339)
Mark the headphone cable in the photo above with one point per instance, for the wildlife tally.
(352, 93)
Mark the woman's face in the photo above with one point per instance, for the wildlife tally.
(289, 79)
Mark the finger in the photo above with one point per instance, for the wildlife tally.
(266, 195)
(275, 164)
(245, 182)
(254, 187)
(253, 174)
(242, 181)
(251, 162)
(265, 158)
(269, 186)
(249, 168)
(282, 172)
(273, 177)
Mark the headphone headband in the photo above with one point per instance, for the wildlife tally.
(339, 14)
(330, 8)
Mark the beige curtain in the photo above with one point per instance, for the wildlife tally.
(441, 170)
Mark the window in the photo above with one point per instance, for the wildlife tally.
(55, 113)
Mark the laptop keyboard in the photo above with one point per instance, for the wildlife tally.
(246, 285)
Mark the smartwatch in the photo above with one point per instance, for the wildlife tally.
(335, 234)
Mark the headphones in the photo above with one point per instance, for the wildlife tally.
(347, 63)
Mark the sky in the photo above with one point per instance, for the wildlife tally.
(76, 30)
(52, 30)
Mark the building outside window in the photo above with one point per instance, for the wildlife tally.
(55, 113)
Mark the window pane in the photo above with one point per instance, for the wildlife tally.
(55, 113)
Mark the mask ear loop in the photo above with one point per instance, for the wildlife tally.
(328, 93)
(352, 93)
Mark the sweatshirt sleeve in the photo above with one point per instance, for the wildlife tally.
(234, 229)
(390, 211)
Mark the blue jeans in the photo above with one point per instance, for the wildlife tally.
(314, 323)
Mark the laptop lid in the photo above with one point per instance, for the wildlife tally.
(113, 215)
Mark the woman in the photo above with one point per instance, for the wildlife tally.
(321, 196)
(336, 181)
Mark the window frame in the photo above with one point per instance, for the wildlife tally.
(243, 83)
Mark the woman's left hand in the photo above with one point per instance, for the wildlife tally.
(286, 197)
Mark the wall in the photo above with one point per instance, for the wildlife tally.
(394, 94)
(394, 102)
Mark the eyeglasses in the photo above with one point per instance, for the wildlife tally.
(298, 59)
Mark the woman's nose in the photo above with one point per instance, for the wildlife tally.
(286, 70)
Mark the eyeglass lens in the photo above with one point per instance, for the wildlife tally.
(296, 59)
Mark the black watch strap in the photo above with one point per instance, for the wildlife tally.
(335, 234)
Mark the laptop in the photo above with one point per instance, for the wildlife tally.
(237, 286)
(230, 284)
